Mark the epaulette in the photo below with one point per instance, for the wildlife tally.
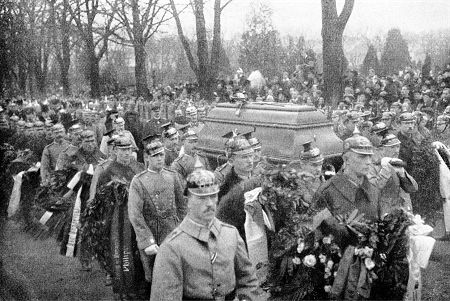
(177, 231)
(140, 174)
(168, 169)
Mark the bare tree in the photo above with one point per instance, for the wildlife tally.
(205, 66)
(334, 61)
(94, 22)
(140, 21)
(60, 24)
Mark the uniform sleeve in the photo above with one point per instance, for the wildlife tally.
(246, 281)
(167, 284)
(379, 179)
(180, 200)
(144, 235)
(408, 184)
(45, 165)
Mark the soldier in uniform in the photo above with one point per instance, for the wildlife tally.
(155, 205)
(389, 176)
(153, 126)
(184, 164)
(238, 181)
(171, 139)
(119, 129)
(52, 151)
(203, 258)
(348, 190)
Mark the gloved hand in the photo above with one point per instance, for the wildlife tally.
(398, 169)
(438, 145)
(342, 235)
(151, 250)
(385, 161)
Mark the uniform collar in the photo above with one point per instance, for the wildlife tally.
(199, 231)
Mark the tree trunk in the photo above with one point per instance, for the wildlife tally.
(203, 75)
(64, 63)
(140, 69)
(334, 61)
(94, 68)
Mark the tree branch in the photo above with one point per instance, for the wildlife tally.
(225, 5)
(345, 13)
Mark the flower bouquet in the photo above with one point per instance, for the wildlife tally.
(304, 264)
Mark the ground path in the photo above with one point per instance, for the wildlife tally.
(54, 277)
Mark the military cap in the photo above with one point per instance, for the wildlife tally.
(29, 125)
(387, 116)
(311, 154)
(254, 142)
(112, 139)
(390, 140)
(353, 116)
(407, 117)
(21, 123)
(39, 124)
(152, 136)
(428, 111)
(169, 131)
(58, 127)
(190, 135)
(119, 120)
(191, 110)
(396, 105)
(379, 128)
(238, 145)
(202, 182)
(122, 142)
(155, 147)
(87, 134)
(366, 124)
(14, 118)
(29, 109)
(358, 144)
(74, 125)
(156, 106)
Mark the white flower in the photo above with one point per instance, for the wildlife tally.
(358, 251)
(326, 240)
(327, 288)
(335, 274)
(309, 260)
(330, 264)
(296, 260)
(300, 247)
(368, 251)
(369, 263)
(322, 258)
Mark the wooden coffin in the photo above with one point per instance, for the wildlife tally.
(281, 128)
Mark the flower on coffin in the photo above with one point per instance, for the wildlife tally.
(327, 240)
(327, 288)
(296, 260)
(330, 264)
(310, 260)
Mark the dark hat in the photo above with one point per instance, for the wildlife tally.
(311, 154)
(122, 142)
(358, 144)
(87, 134)
(380, 128)
(202, 182)
(239, 145)
(169, 130)
(254, 142)
(151, 137)
(155, 147)
(387, 116)
(390, 140)
(190, 135)
(74, 125)
(407, 117)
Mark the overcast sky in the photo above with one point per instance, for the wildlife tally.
(303, 17)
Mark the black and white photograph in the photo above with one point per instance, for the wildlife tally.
(242, 150)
